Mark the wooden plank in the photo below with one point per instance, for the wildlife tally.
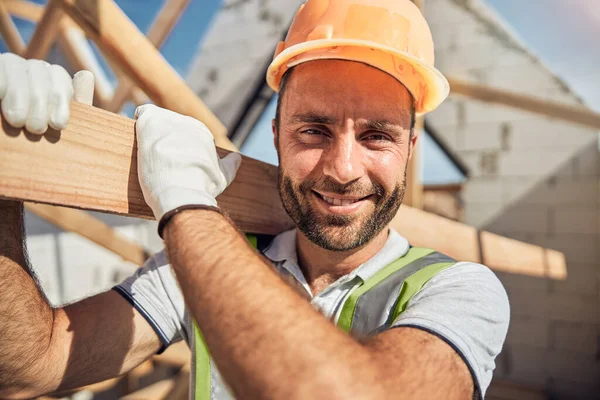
(10, 33)
(576, 114)
(107, 25)
(45, 32)
(160, 30)
(93, 165)
(91, 228)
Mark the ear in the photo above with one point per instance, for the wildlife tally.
(413, 143)
(275, 133)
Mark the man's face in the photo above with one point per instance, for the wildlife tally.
(343, 144)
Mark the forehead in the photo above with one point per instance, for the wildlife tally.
(347, 89)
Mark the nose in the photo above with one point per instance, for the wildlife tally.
(343, 159)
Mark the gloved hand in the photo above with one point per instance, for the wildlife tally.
(178, 165)
(36, 94)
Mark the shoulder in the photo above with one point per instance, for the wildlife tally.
(465, 289)
(467, 306)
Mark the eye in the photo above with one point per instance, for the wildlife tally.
(376, 137)
(312, 132)
(312, 136)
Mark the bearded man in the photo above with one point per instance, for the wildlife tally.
(366, 316)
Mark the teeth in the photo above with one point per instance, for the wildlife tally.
(338, 202)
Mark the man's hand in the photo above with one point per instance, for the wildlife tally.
(36, 94)
(178, 165)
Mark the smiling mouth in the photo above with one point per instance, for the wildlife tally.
(339, 202)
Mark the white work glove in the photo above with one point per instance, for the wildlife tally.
(36, 94)
(178, 164)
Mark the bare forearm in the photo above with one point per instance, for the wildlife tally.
(26, 318)
(261, 333)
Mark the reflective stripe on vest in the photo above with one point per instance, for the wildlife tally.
(404, 278)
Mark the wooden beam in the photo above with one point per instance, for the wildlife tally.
(414, 196)
(10, 33)
(24, 9)
(45, 32)
(91, 228)
(160, 30)
(577, 114)
(107, 25)
(93, 165)
(73, 43)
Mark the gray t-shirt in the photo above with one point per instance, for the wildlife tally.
(465, 304)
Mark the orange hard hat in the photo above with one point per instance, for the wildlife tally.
(390, 35)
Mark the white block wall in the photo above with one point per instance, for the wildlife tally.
(238, 46)
(534, 179)
(71, 267)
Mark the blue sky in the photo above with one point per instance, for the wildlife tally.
(564, 34)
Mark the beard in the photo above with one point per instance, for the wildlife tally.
(339, 232)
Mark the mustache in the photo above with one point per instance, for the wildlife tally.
(356, 189)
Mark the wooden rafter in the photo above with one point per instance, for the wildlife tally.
(106, 24)
(45, 32)
(92, 165)
(162, 26)
(71, 40)
(577, 114)
(10, 33)
(91, 228)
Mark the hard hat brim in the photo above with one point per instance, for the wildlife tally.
(427, 85)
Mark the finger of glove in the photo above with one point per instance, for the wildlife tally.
(39, 93)
(230, 165)
(15, 103)
(61, 93)
(83, 87)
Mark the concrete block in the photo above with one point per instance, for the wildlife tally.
(573, 367)
(567, 390)
(577, 248)
(479, 215)
(477, 112)
(446, 114)
(519, 189)
(576, 220)
(531, 162)
(481, 190)
(577, 337)
(544, 132)
(524, 283)
(587, 161)
(568, 193)
(582, 280)
(526, 364)
(480, 136)
(572, 308)
(523, 218)
(528, 331)
(522, 80)
(471, 160)
(527, 304)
